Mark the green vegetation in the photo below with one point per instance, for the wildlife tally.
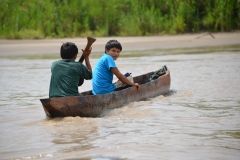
(76, 18)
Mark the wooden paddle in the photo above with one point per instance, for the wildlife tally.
(90, 41)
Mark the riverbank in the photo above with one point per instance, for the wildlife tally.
(46, 46)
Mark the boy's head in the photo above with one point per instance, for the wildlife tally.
(68, 50)
(113, 48)
(113, 44)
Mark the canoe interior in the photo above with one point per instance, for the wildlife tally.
(142, 79)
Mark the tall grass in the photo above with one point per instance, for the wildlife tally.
(76, 18)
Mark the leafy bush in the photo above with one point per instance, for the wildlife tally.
(76, 18)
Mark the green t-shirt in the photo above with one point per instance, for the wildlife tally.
(65, 77)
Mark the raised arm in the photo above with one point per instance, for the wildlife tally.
(90, 41)
(86, 57)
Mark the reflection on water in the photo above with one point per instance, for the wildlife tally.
(197, 119)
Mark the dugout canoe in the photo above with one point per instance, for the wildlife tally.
(89, 105)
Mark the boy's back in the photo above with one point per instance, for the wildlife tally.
(102, 75)
(66, 73)
(65, 78)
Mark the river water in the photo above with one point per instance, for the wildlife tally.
(198, 119)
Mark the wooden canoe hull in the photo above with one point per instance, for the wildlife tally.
(90, 105)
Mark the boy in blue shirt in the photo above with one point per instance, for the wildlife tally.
(66, 72)
(106, 67)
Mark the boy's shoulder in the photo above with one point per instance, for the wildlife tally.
(106, 56)
(67, 62)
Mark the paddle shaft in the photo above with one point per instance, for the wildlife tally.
(90, 41)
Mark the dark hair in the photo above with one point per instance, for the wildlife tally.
(68, 50)
(113, 44)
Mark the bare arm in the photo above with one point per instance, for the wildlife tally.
(86, 57)
(122, 78)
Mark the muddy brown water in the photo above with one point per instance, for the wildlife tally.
(198, 119)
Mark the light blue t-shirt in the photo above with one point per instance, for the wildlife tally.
(102, 75)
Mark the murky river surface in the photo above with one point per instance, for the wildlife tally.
(198, 119)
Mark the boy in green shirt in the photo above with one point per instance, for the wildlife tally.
(66, 73)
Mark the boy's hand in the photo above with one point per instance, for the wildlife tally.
(137, 85)
(86, 53)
